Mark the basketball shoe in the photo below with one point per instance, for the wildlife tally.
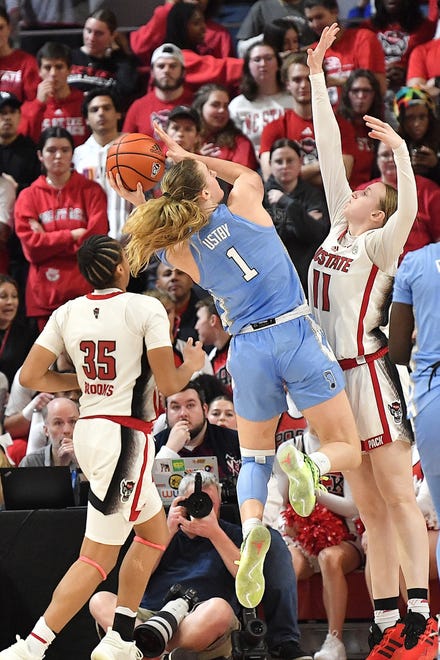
(332, 649)
(419, 636)
(18, 651)
(303, 477)
(112, 647)
(249, 581)
(387, 644)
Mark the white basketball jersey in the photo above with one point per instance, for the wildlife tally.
(107, 335)
(348, 294)
(351, 277)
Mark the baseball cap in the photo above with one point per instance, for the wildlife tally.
(6, 98)
(185, 111)
(168, 50)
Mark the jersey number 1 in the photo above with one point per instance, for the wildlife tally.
(248, 272)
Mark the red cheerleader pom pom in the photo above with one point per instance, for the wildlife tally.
(320, 530)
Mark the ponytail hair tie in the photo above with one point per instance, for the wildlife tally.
(167, 194)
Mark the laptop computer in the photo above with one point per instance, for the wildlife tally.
(37, 488)
(169, 472)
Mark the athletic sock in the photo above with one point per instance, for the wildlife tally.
(418, 602)
(124, 623)
(249, 524)
(386, 612)
(39, 639)
(321, 461)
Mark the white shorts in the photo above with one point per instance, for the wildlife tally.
(117, 458)
(377, 402)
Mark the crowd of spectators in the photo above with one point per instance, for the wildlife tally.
(247, 101)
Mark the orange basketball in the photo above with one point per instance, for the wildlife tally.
(136, 157)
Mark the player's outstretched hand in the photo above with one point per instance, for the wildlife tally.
(380, 130)
(135, 197)
(174, 150)
(315, 56)
(193, 354)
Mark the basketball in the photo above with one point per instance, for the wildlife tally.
(136, 157)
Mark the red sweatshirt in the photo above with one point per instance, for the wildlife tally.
(19, 75)
(37, 116)
(54, 276)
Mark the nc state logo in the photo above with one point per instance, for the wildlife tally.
(126, 488)
(155, 169)
(396, 411)
(52, 274)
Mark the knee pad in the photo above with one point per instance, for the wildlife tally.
(156, 546)
(256, 468)
(93, 563)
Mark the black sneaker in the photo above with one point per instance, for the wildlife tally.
(289, 651)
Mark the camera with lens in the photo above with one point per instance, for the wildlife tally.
(152, 636)
(198, 504)
(249, 643)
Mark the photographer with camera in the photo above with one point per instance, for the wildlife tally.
(201, 558)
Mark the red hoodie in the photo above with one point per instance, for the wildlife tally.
(54, 275)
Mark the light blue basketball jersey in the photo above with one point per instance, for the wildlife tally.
(417, 283)
(246, 268)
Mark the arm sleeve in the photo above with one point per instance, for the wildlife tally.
(328, 143)
(386, 244)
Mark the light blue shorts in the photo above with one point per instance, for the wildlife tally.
(295, 354)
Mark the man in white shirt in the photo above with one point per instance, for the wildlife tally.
(101, 111)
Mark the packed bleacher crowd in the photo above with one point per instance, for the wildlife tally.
(245, 98)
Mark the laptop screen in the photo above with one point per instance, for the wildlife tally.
(169, 472)
(37, 488)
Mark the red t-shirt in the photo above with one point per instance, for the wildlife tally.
(397, 44)
(149, 108)
(294, 127)
(356, 49)
(424, 61)
(426, 227)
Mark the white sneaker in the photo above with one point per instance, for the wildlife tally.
(18, 651)
(332, 649)
(112, 647)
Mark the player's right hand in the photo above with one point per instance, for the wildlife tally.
(193, 354)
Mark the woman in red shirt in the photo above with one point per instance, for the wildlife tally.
(219, 137)
(53, 216)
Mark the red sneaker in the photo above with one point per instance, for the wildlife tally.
(420, 637)
(387, 644)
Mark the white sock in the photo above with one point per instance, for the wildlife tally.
(249, 524)
(125, 611)
(321, 461)
(419, 605)
(386, 618)
(39, 639)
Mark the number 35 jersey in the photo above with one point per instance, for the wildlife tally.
(107, 334)
(246, 268)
